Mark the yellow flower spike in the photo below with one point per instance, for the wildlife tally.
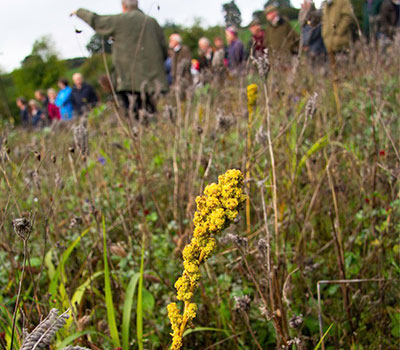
(216, 209)
(252, 94)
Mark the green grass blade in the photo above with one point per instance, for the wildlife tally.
(74, 336)
(203, 329)
(126, 316)
(64, 257)
(109, 301)
(323, 337)
(321, 143)
(139, 308)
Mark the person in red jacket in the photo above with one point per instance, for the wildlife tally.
(52, 110)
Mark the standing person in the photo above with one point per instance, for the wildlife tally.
(52, 110)
(312, 38)
(235, 51)
(307, 7)
(41, 97)
(23, 111)
(205, 53)
(389, 18)
(256, 43)
(218, 60)
(83, 96)
(337, 16)
(181, 59)
(138, 54)
(37, 116)
(279, 35)
(63, 100)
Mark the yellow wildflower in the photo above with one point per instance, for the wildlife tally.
(252, 94)
(216, 209)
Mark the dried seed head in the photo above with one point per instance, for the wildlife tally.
(262, 246)
(53, 158)
(81, 138)
(262, 63)
(311, 106)
(42, 336)
(296, 321)
(75, 221)
(23, 227)
(240, 242)
(224, 122)
(118, 250)
(264, 312)
(242, 304)
(71, 149)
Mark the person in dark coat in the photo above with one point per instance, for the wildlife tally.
(235, 51)
(41, 97)
(205, 54)
(83, 96)
(312, 38)
(389, 17)
(138, 54)
(38, 118)
(181, 60)
(256, 43)
(23, 111)
(279, 35)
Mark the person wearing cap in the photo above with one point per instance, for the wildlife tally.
(279, 35)
(337, 17)
(256, 44)
(235, 51)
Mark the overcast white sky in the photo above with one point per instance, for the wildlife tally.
(24, 21)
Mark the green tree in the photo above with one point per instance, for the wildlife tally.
(232, 14)
(40, 70)
(95, 45)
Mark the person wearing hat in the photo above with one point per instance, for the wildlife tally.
(256, 43)
(279, 35)
(337, 17)
(235, 51)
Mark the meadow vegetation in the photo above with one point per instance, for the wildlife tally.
(95, 215)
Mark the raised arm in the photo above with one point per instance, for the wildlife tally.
(103, 25)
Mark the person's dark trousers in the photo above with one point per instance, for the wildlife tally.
(147, 103)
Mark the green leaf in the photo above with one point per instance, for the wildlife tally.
(323, 337)
(126, 317)
(139, 307)
(203, 329)
(109, 301)
(321, 143)
(50, 266)
(148, 301)
(74, 336)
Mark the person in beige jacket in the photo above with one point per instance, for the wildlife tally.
(337, 17)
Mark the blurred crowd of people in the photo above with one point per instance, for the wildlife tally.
(51, 106)
(145, 65)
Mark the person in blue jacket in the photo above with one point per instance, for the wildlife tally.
(63, 100)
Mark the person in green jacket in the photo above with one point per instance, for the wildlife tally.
(279, 34)
(337, 17)
(138, 54)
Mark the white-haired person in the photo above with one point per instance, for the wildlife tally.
(205, 53)
(83, 95)
(181, 59)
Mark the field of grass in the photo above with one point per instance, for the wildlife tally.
(107, 206)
